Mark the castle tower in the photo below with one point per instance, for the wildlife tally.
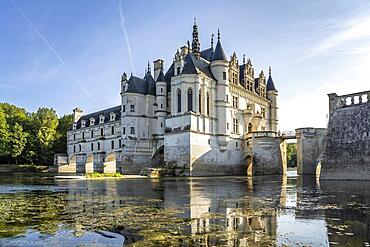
(161, 93)
(219, 67)
(272, 94)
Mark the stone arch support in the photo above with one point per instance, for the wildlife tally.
(110, 164)
(89, 166)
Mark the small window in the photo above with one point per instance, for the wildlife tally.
(235, 125)
(161, 125)
(124, 130)
(74, 126)
(236, 144)
(177, 70)
(224, 75)
(209, 141)
(92, 134)
(227, 98)
(227, 125)
(120, 143)
(79, 148)
(132, 108)
(83, 135)
(83, 124)
(112, 116)
(161, 90)
(161, 106)
(101, 132)
(74, 137)
(112, 130)
(101, 119)
(124, 108)
(98, 145)
(74, 149)
(92, 121)
(92, 146)
(132, 130)
(112, 144)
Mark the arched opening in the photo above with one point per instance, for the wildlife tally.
(89, 165)
(190, 99)
(208, 113)
(110, 163)
(178, 100)
(250, 127)
(200, 101)
(249, 165)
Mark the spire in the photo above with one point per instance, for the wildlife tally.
(160, 76)
(219, 53)
(212, 35)
(188, 43)
(243, 58)
(270, 83)
(195, 45)
(148, 71)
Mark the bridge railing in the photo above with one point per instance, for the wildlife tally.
(347, 100)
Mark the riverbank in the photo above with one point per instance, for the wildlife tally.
(22, 168)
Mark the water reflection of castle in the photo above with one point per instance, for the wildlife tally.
(245, 212)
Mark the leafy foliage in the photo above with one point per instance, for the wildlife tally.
(31, 137)
(292, 154)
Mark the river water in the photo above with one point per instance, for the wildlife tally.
(36, 210)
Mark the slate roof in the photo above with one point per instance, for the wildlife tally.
(270, 84)
(219, 53)
(256, 84)
(141, 86)
(96, 116)
(161, 76)
(207, 54)
(170, 72)
(193, 65)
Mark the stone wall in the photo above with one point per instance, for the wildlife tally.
(347, 151)
(268, 152)
(310, 145)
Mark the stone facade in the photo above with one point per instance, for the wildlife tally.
(347, 151)
(195, 117)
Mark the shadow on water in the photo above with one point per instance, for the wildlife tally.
(209, 211)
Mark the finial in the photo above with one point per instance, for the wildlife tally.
(148, 66)
(195, 45)
(218, 34)
(212, 35)
(269, 70)
(243, 58)
(188, 45)
(195, 21)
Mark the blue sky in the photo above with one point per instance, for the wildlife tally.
(64, 54)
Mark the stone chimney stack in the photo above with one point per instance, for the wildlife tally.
(77, 114)
(158, 66)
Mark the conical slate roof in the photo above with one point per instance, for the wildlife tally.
(150, 82)
(219, 53)
(161, 76)
(270, 83)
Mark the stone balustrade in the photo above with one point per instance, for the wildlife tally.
(347, 100)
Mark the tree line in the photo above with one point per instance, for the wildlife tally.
(32, 137)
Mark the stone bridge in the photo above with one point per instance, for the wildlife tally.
(347, 150)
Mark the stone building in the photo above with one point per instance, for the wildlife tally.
(195, 118)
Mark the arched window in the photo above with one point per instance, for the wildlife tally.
(190, 100)
(200, 101)
(208, 104)
(178, 100)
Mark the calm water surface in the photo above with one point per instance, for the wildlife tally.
(214, 211)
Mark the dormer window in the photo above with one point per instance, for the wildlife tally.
(101, 119)
(112, 116)
(92, 121)
(74, 126)
(83, 123)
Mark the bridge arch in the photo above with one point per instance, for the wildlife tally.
(110, 163)
(89, 165)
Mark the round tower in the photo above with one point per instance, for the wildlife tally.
(220, 70)
(161, 100)
(272, 95)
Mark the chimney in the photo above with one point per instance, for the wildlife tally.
(77, 114)
(158, 65)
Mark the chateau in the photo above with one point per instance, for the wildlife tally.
(196, 117)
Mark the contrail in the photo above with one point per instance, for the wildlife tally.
(123, 27)
(55, 53)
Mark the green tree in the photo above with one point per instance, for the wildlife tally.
(17, 141)
(65, 123)
(44, 128)
(4, 134)
(292, 154)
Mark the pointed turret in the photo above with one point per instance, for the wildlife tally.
(270, 83)
(195, 45)
(160, 76)
(219, 53)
